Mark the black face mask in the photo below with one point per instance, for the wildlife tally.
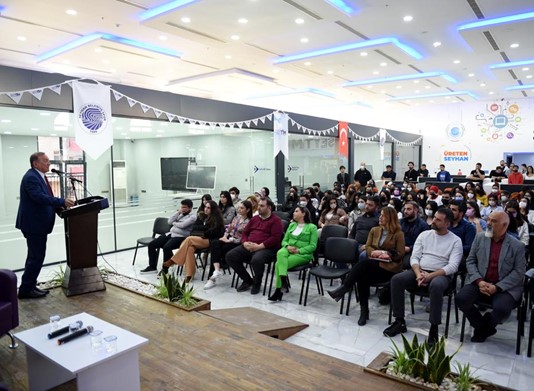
(445, 201)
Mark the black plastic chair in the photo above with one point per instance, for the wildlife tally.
(329, 231)
(284, 216)
(161, 227)
(342, 250)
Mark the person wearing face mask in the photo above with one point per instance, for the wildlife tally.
(318, 192)
(515, 177)
(493, 206)
(433, 195)
(496, 268)
(431, 208)
(385, 197)
(472, 214)
(357, 211)
(332, 214)
(495, 190)
(396, 204)
(421, 198)
(363, 175)
(525, 211)
(505, 169)
(459, 196)
(234, 193)
(442, 175)
(446, 198)
(396, 193)
(304, 200)
(291, 201)
(504, 197)
(369, 219)
(460, 227)
(351, 199)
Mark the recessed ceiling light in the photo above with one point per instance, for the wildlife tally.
(482, 84)
(98, 50)
(6, 121)
(105, 61)
(235, 37)
(417, 91)
(427, 87)
(330, 72)
(307, 63)
(416, 81)
(163, 37)
(447, 97)
(66, 62)
(398, 87)
(526, 69)
(370, 87)
(21, 38)
(408, 18)
(491, 92)
(242, 20)
(7, 133)
(228, 57)
(514, 45)
(71, 12)
(124, 134)
(529, 76)
(299, 21)
(470, 74)
(34, 129)
(431, 101)
(383, 91)
(363, 54)
(456, 61)
(383, 64)
(276, 70)
(304, 40)
(436, 44)
(186, 19)
(375, 72)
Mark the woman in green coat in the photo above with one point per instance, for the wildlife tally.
(298, 245)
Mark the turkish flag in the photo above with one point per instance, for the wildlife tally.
(343, 139)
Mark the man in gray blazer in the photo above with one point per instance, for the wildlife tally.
(496, 268)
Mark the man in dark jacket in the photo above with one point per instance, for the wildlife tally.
(363, 175)
(412, 225)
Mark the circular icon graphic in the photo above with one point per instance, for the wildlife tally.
(500, 121)
(509, 135)
(513, 109)
(494, 107)
(495, 136)
(455, 132)
(518, 119)
(483, 130)
(93, 118)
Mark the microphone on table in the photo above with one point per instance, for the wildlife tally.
(64, 330)
(66, 174)
(75, 335)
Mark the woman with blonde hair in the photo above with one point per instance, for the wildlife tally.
(254, 201)
(385, 249)
(209, 226)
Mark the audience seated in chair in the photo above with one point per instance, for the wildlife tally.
(496, 268)
(435, 259)
(9, 310)
(259, 243)
(298, 245)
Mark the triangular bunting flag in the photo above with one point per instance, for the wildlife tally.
(145, 108)
(262, 119)
(157, 112)
(269, 117)
(170, 116)
(117, 95)
(239, 125)
(131, 102)
(38, 93)
(255, 122)
(16, 96)
(231, 124)
(56, 89)
(247, 123)
(181, 120)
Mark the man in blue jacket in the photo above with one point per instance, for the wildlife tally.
(442, 175)
(35, 218)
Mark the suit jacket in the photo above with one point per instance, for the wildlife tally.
(512, 263)
(394, 244)
(306, 241)
(36, 214)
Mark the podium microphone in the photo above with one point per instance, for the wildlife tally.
(57, 172)
(66, 174)
(75, 335)
(64, 330)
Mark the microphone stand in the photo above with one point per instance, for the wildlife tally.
(72, 182)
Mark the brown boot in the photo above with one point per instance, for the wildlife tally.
(168, 263)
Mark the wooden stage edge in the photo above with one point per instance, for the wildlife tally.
(192, 351)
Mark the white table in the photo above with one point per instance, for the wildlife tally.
(50, 364)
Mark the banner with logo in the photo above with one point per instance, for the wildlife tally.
(281, 134)
(92, 117)
(343, 139)
(382, 139)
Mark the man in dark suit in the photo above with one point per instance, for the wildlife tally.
(343, 179)
(496, 269)
(35, 218)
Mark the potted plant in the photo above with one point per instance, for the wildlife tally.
(426, 367)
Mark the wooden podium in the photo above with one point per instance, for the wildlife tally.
(81, 237)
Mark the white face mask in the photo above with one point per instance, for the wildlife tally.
(391, 206)
(495, 190)
(233, 197)
(504, 198)
(362, 168)
(492, 203)
(470, 195)
(361, 205)
(523, 204)
(302, 203)
(428, 212)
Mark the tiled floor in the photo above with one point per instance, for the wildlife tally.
(340, 336)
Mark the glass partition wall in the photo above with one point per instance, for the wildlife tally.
(128, 174)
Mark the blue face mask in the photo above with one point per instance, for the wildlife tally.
(459, 198)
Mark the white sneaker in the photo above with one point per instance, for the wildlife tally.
(216, 274)
(210, 284)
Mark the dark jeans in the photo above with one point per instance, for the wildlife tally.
(406, 280)
(167, 243)
(34, 261)
(502, 303)
(236, 258)
(218, 251)
(365, 273)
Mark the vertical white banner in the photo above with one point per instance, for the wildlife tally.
(281, 134)
(92, 113)
(382, 142)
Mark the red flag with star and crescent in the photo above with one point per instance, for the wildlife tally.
(343, 139)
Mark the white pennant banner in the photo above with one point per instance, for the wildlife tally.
(117, 95)
(281, 134)
(16, 96)
(38, 93)
(56, 89)
(92, 117)
(131, 102)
